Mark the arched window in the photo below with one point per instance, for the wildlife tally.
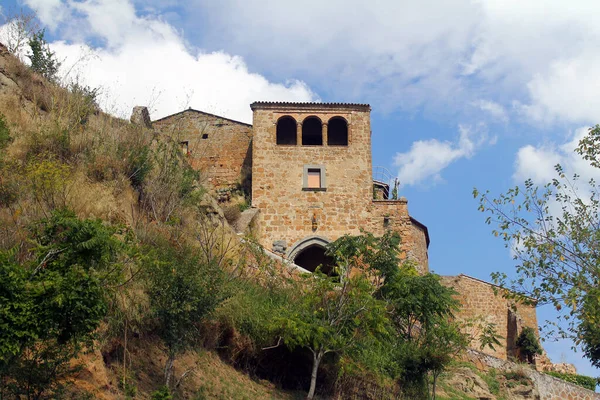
(337, 132)
(312, 132)
(286, 130)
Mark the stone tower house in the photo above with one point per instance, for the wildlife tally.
(312, 182)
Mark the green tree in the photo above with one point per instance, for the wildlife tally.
(421, 310)
(43, 60)
(50, 306)
(331, 315)
(553, 232)
(425, 337)
(183, 288)
(528, 344)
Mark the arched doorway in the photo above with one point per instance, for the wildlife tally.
(309, 253)
(313, 256)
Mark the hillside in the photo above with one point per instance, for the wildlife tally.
(123, 279)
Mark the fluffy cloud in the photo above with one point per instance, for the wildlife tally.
(427, 158)
(538, 54)
(494, 109)
(537, 162)
(145, 61)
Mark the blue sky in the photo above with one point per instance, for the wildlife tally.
(465, 94)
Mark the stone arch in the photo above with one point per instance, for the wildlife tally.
(337, 132)
(286, 130)
(309, 253)
(312, 131)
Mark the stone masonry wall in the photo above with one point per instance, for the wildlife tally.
(393, 215)
(219, 148)
(548, 387)
(345, 207)
(478, 299)
(286, 210)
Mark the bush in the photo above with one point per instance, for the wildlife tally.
(528, 344)
(581, 380)
(232, 212)
(43, 60)
(162, 394)
(52, 304)
(49, 181)
(183, 289)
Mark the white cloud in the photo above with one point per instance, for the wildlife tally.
(537, 162)
(427, 158)
(433, 54)
(496, 110)
(145, 61)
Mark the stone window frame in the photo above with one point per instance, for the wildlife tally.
(321, 169)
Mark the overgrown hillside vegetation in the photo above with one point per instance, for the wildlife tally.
(120, 278)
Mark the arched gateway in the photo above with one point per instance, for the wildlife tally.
(309, 253)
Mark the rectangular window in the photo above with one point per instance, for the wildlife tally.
(314, 178)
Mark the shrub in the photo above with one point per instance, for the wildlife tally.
(581, 380)
(52, 304)
(183, 289)
(232, 212)
(49, 181)
(528, 344)
(162, 394)
(43, 60)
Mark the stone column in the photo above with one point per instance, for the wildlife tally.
(324, 129)
(299, 134)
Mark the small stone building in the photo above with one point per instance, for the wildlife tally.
(218, 147)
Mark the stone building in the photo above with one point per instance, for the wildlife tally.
(483, 302)
(312, 181)
(218, 147)
(311, 173)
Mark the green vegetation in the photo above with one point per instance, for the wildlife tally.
(553, 232)
(183, 288)
(584, 381)
(53, 301)
(528, 344)
(43, 60)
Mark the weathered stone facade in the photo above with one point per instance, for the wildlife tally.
(218, 147)
(299, 217)
(546, 386)
(480, 299)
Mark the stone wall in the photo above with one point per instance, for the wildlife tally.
(548, 387)
(482, 299)
(219, 148)
(289, 213)
(393, 215)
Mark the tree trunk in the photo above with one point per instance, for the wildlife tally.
(169, 368)
(435, 376)
(313, 376)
